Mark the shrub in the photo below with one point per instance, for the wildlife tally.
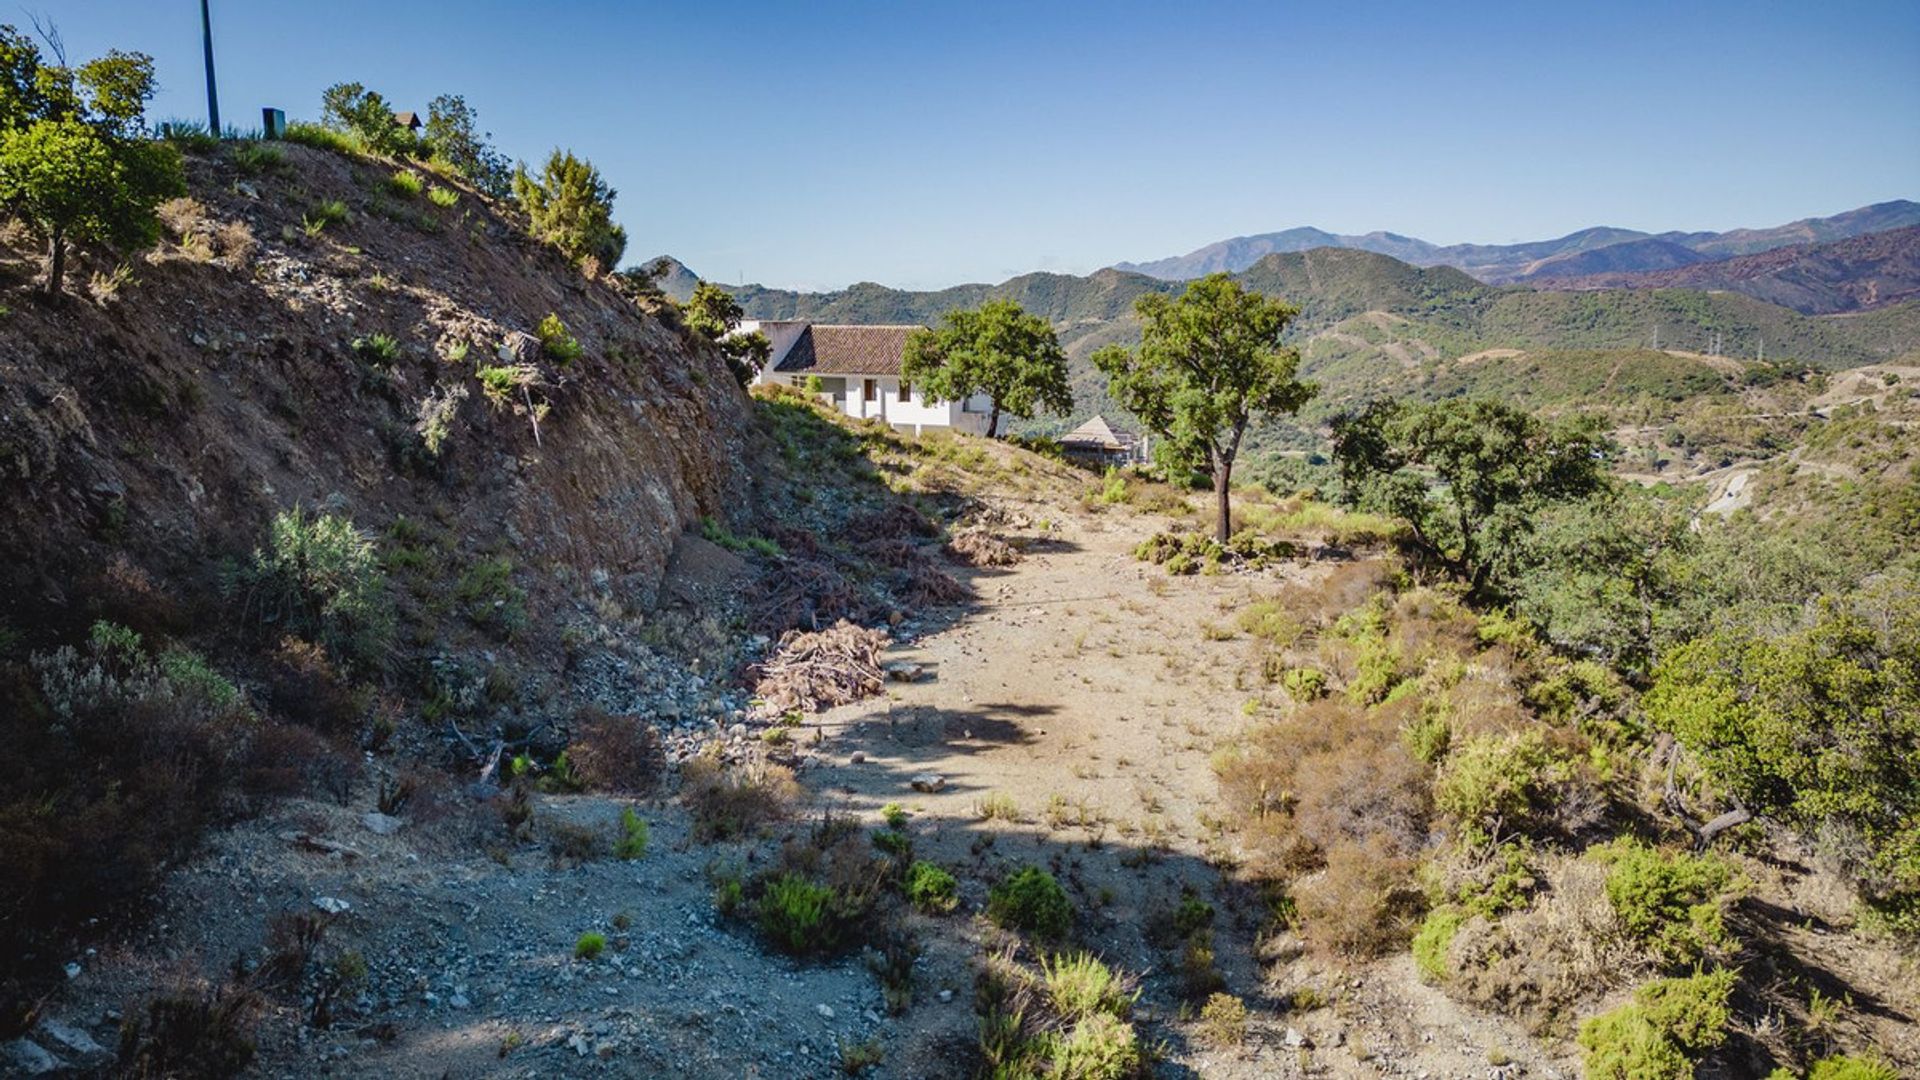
(931, 888)
(1030, 899)
(633, 836)
(489, 597)
(1223, 1021)
(258, 159)
(406, 183)
(1079, 985)
(381, 349)
(1431, 942)
(894, 815)
(732, 803)
(191, 1034)
(794, 915)
(324, 214)
(306, 687)
(571, 207)
(1672, 903)
(1100, 1047)
(1305, 684)
(1658, 1035)
(615, 753)
(1363, 904)
(445, 198)
(1492, 784)
(589, 945)
(1842, 1067)
(189, 136)
(317, 137)
(557, 342)
(321, 576)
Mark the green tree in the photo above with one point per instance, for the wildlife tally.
(453, 135)
(75, 164)
(353, 107)
(571, 207)
(996, 349)
(1818, 727)
(714, 314)
(1209, 363)
(1468, 476)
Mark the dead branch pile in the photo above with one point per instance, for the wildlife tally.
(813, 671)
(989, 515)
(892, 551)
(928, 586)
(805, 595)
(894, 521)
(978, 548)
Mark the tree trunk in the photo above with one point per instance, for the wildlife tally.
(1222, 478)
(993, 421)
(58, 271)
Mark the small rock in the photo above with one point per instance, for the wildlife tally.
(946, 996)
(381, 824)
(1296, 1040)
(929, 782)
(73, 969)
(71, 1039)
(579, 1045)
(825, 1010)
(857, 758)
(902, 671)
(245, 188)
(332, 905)
(459, 1001)
(29, 1057)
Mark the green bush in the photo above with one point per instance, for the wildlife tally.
(445, 198)
(301, 133)
(1431, 943)
(1842, 1067)
(1030, 899)
(325, 213)
(1670, 902)
(188, 136)
(1497, 783)
(259, 159)
(557, 341)
(794, 915)
(1659, 1034)
(1080, 985)
(490, 598)
(1304, 684)
(894, 815)
(1100, 1047)
(321, 577)
(634, 835)
(931, 889)
(589, 945)
(406, 183)
(571, 207)
(381, 349)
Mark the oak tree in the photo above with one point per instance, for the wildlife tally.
(997, 349)
(1209, 364)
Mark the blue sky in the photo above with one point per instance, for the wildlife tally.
(813, 144)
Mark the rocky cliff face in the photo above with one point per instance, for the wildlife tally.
(313, 334)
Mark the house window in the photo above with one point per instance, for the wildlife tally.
(870, 390)
(906, 390)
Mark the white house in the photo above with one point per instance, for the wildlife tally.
(858, 368)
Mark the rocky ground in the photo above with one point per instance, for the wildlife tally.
(1079, 700)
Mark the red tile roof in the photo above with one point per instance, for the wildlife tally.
(847, 350)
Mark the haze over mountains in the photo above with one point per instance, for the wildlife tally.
(1602, 249)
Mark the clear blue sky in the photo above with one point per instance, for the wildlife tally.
(815, 143)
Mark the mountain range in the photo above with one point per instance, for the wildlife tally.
(1602, 249)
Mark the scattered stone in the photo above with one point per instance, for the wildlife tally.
(902, 671)
(858, 758)
(71, 1039)
(30, 1058)
(381, 824)
(459, 1001)
(1296, 1040)
(73, 969)
(332, 905)
(929, 782)
(579, 1045)
(825, 1010)
(946, 996)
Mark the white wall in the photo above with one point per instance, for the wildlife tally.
(914, 411)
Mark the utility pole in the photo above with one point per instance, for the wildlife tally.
(213, 96)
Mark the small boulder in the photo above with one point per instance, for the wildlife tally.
(381, 824)
(929, 782)
(332, 905)
(30, 1058)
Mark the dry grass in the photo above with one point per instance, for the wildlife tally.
(730, 802)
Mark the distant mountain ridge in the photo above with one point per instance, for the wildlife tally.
(1817, 279)
(1570, 255)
